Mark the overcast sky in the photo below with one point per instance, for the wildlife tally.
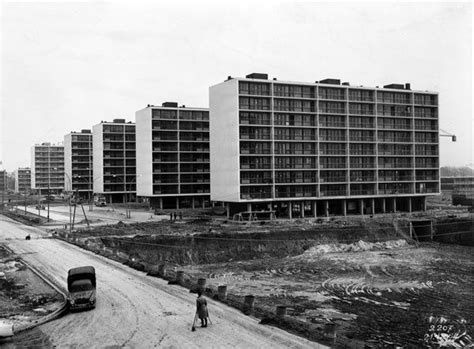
(67, 66)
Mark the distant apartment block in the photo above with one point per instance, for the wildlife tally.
(23, 180)
(317, 149)
(47, 168)
(114, 164)
(78, 167)
(3, 180)
(173, 156)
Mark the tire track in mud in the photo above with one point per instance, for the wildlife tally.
(135, 313)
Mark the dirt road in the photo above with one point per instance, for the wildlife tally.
(59, 214)
(134, 310)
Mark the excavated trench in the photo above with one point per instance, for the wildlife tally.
(218, 247)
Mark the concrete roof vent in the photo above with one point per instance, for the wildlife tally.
(85, 131)
(119, 121)
(170, 104)
(346, 84)
(260, 76)
(229, 78)
(407, 86)
(395, 86)
(330, 81)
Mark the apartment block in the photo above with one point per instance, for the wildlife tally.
(47, 168)
(114, 164)
(315, 149)
(78, 168)
(23, 180)
(3, 180)
(173, 156)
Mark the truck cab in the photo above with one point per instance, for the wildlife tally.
(81, 284)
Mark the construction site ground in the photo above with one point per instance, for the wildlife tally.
(24, 297)
(357, 282)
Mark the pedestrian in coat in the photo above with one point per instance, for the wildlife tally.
(201, 309)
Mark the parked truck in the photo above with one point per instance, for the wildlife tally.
(81, 284)
(99, 200)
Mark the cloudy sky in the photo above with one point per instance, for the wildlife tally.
(66, 66)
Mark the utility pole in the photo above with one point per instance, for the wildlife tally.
(49, 177)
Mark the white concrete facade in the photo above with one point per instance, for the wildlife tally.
(144, 152)
(224, 141)
(98, 156)
(67, 162)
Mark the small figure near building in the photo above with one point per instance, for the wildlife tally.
(201, 309)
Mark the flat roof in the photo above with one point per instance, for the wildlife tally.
(326, 85)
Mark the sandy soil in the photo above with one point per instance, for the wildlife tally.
(390, 294)
(135, 310)
(24, 297)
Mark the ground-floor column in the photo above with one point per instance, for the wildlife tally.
(228, 210)
(326, 208)
(249, 207)
(372, 205)
(384, 209)
(290, 210)
(302, 205)
(160, 200)
(361, 206)
(177, 203)
(409, 205)
(192, 202)
(223, 204)
(424, 203)
(315, 209)
(204, 203)
(212, 203)
(394, 205)
(344, 208)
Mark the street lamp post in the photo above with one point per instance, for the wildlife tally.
(89, 189)
(69, 202)
(128, 211)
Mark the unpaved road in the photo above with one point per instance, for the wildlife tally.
(135, 310)
(59, 214)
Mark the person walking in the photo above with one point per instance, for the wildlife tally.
(201, 308)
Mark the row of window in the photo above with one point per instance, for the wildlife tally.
(183, 125)
(183, 136)
(181, 189)
(175, 167)
(110, 128)
(182, 178)
(305, 91)
(183, 114)
(184, 157)
(296, 148)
